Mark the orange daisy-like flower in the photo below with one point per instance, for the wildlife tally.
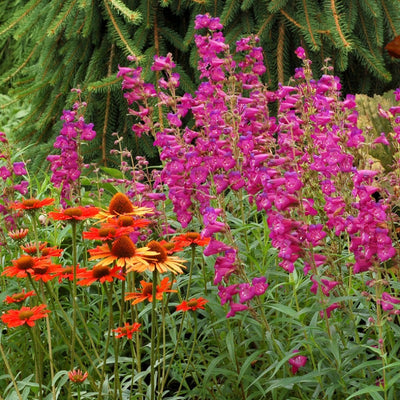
(74, 213)
(18, 234)
(31, 204)
(127, 330)
(99, 273)
(124, 253)
(191, 239)
(162, 262)
(26, 315)
(44, 251)
(147, 291)
(171, 247)
(18, 297)
(192, 304)
(68, 273)
(120, 204)
(45, 271)
(77, 376)
(23, 266)
(31, 248)
(107, 232)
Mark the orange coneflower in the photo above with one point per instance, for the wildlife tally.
(18, 234)
(44, 251)
(19, 297)
(26, 315)
(120, 204)
(127, 330)
(68, 272)
(124, 253)
(162, 262)
(23, 266)
(77, 376)
(107, 232)
(191, 239)
(171, 247)
(31, 204)
(74, 213)
(45, 271)
(146, 293)
(99, 273)
(192, 304)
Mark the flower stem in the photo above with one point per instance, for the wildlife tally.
(153, 337)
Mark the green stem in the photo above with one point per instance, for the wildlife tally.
(74, 303)
(8, 368)
(153, 337)
(191, 271)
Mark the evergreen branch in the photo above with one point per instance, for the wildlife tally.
(337, 24)
(276, 5)
(265, 24)
(231, 7)
(315, 45)
(118, 30)
(102, 84)
(22, 16)
(279, 53)
(132, 16)
(61, 19)
(389, 18)
(292, 20)
(246, 4)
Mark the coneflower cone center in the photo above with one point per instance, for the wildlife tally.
(123, 247)
(25, 262)
(25, 314)
(68, 270)
(125, 220)
(160, 249)
(192, 303)
(104, 232)
(193, 235)
(120, 204)
(168, 246)
(40, 270)
(100, 271)
(148, 289)
(30, 202)
(73, 212)
(18, 296)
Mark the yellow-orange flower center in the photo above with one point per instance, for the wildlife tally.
(45, 252)
(123, 247)
(120, 204)
(68, 270)
(25, 314)
(193, 235)
(168, 245)
(104, 232)
(100, 270)
(162, 255)
(125, 220)
(30, 202)
(148, 289)
(192, 303)
(25, 262)
(73, 212)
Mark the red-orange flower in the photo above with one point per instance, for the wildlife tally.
(191, 239)
(77, 376)
(23, 266)
(19, 297)
(120, 204)
(99, 273)
(32, 204)
(147, 291)
(26, 315)
(18, 234)
(171, 247)
(127, 330)
(192, 304)
(74, 213)
(45, 271)
(68, 272)
(124, 253)
(107, 232)
(31, 248)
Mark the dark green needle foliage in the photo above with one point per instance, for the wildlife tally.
(49, 47)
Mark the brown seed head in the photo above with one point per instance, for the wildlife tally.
(120, 204)
(160, 249)
(100, 270)
(25, 314)
(123, 247)
(25, 262)
(73, 212)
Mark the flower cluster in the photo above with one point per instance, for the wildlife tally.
(67, 166)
